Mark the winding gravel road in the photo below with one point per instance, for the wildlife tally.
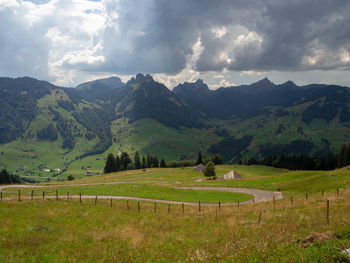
(259, 195)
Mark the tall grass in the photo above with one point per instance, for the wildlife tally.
(67, 231)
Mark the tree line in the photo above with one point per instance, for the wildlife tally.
(7, 178)
(306, 162)
(123, 162)
(215, 159)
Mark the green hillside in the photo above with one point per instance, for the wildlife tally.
(45, 127)
(54, 136)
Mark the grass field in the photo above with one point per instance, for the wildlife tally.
(255, 176)
(138, 190)
(62, 231)
(281, 231)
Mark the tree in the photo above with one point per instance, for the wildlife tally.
(155, 162)
(209, 170)
(125, 160)
(162, 163)
(117, 163)
(341, 157)
(7, 178)
(199, 158)
(70, 177)
(143, 164)
(217, 159)
(110, 165)
(330, 161)
(137, 160)
(149, 160)
(347, 156)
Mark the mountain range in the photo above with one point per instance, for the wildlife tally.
(46, 127)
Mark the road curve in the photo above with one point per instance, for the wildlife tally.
(258, 195)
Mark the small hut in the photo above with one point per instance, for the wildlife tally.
(231, 175)
(199, 168)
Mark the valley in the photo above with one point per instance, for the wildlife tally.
(67, 131)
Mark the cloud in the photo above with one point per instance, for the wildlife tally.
(69, 41)
(48, 39)
(23, 47)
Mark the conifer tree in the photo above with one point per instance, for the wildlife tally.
(7, 178)
(209, 170)
(149, 160)
(117, 163)
(347, 155)
(155, 161)
(125, 160)
(341, 157)
(199, 158)
(162, 163)
(137, 160)
(110, 165)
(143, 164)
(331, 161)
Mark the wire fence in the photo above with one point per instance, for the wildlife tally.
(320, 204)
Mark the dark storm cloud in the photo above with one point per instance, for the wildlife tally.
(64, 39)
(157, 36)
(293, 30)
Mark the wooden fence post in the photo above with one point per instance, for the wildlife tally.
(31, 196)
(306, 197)
(111, 202)
(80, 197)
(183, 208)
(56, 195)
(43, 195)
(68, 196)
(95, 200)
(327, 211)
(19, 195)
(138, 206)
(219, 206)
(155, 208)
(199, 206)
(253, 200)
(259, 218)
(127, 204)
(238, 204)
(168, 208)
(274, 201)
(291, 200)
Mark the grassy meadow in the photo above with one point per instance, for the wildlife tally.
(67, 231)
(286, 230)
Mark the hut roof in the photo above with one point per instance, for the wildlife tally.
(200, 168)
(232, 175)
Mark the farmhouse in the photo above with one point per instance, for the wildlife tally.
(199, 168)
(231, 175)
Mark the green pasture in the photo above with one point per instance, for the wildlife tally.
(62, 231)
(136, 190)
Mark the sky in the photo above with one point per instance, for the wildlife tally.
(223, 42)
